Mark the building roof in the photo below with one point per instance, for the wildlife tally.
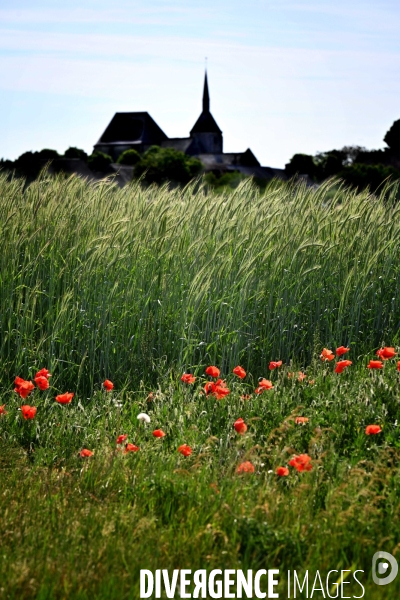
(206, 122)
(132, 127)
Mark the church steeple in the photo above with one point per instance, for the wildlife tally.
(206, 95)
(206, 135)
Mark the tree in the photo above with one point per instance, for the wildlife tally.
(129, 157)
(392, 137)
(73, 152)
(301, 164)
(98, 161)
(158, 165)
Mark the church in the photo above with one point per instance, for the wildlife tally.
(139, 131)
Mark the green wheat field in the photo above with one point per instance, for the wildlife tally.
(139, 286)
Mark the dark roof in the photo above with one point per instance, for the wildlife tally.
(181, 144)
(206, 122)
(132, 127)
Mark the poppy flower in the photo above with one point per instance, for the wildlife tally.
(375, 364)
(248, 396)
(22, 387)
(188, 378)
(65, 398)
(158, 433)
(42, 382)
(398, 365)
(43, 373)
(108, 385)
(245, 467)
(301, 376)
(301, 420)
(209, 387)
(341, 350)
(240, 426)
(143, 418)
(341, 365)
(311, 381)
(85, 453)
(220, 390)
(274, 364)
(213, 371)
(386, 353)
(282, 471)
(3, 409)
(240, 372)
(185, 450)
(327, 354)
(130, 448)
(301, 463)
(121, 439)
(372, 429)
(28, 412)
(263, 384)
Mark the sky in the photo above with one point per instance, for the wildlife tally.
(285, 76)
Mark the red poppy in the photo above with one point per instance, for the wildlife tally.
(188, 378)
(274, 364)
(301, 463)
(375, 364)
(386, 353)
(65, 398)
(22, 387)
(372, 429)
(327, 354)
(42, 382)
(398, 365)
(341, 365)
(301, 420)
(209, 387)
(248, 396)
(220, 390)
(158, 433)
(311, 381)
(43, 373)
(213, 371)
(240, 372)
(131, 448)
(121, 439)
(240, 426)
(3, 409)
(263, 384)
(28, 412)
(108, 385)
(185, 450)
(301, 376)
(341, 350)
(282, 471)
(245, 467)
(85, 453)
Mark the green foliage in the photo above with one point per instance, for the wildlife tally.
(71, 527)
(392, 137)
(129, 157)
(301, 164)
(103, 280)
(99, 161)
(225, 181)
(73, 152)
(372, 176)
(159, 165)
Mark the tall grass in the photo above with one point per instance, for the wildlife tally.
(99, 281)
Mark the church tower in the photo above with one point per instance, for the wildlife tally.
(206, 135)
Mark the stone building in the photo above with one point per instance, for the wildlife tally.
(139, 131)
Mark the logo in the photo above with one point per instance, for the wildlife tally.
(384, 560)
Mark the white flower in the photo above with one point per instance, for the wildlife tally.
(143, 417)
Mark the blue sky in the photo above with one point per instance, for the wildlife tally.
(285, 76)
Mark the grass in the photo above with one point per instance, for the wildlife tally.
(139, 285)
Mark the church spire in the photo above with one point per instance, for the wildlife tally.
(206, 96)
